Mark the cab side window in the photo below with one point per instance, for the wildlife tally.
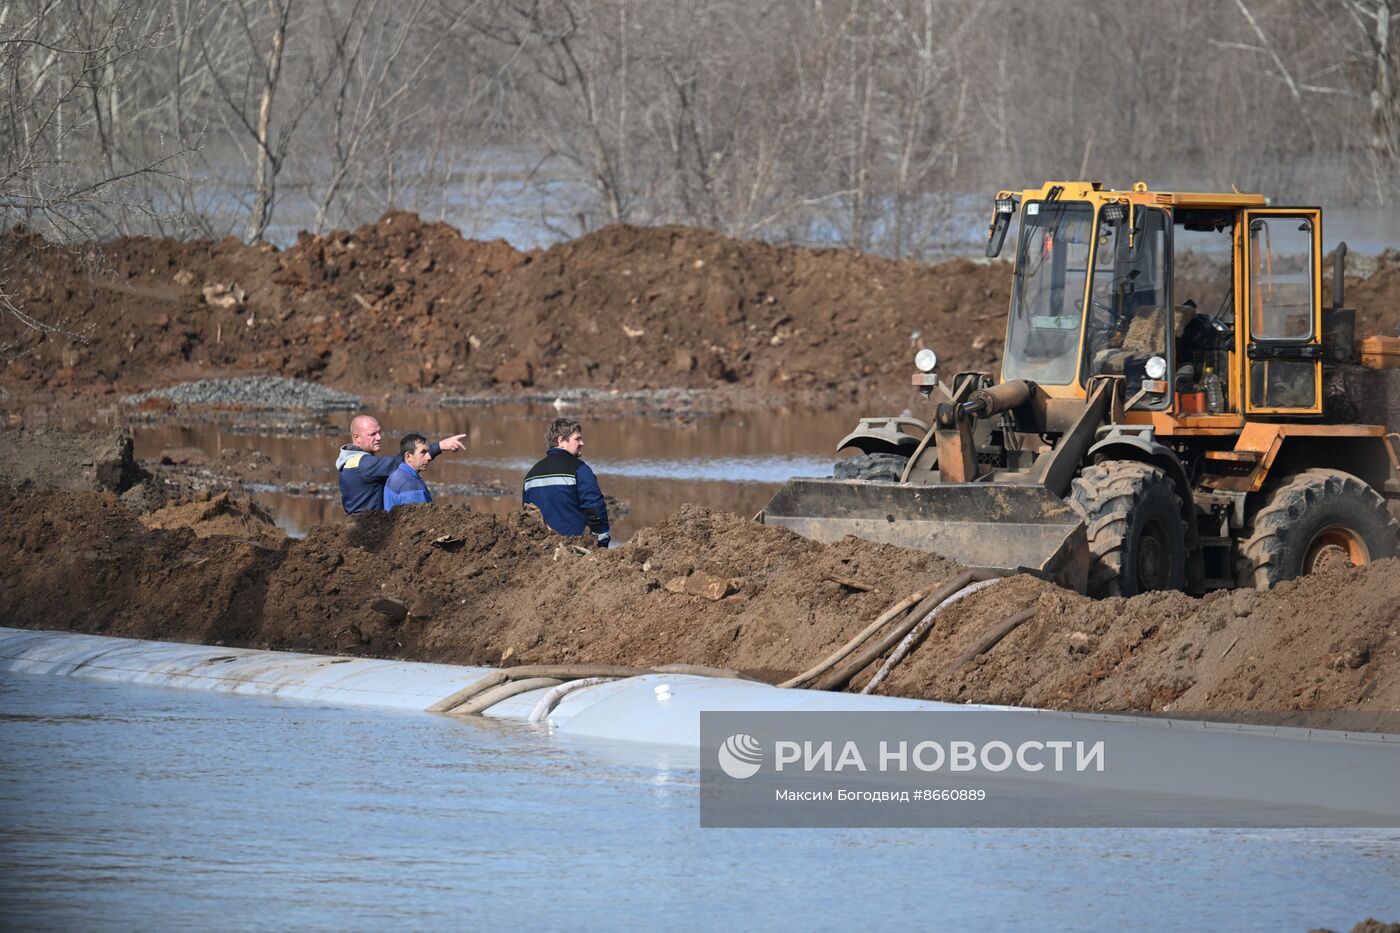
(1281, 294)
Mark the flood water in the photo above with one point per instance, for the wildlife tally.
(139, 807)
(652, 463)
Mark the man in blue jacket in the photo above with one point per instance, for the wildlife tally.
(564, 487)
(405, 485)
(362, 474)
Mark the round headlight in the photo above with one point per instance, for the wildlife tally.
(1156, 368)
(926, 360)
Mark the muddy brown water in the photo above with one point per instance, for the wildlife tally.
(650, 463)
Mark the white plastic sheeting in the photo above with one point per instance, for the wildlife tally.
(342, 681)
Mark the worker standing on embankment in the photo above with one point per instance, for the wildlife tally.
(362, 474)
(564, 488)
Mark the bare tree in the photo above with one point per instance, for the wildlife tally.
(250, 89)
(1377, 23)
(67, 71)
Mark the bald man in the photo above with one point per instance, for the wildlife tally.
(362, 474)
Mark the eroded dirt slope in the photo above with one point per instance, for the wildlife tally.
(704, 588)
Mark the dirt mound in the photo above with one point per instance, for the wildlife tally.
(406, 304)
(83, 562)
(678, 306)
(1326, 642)
(398, 289)
(1376, 297)
(47, 458)
(219, 514)
(478, 589)
(412, 304)
(442, 583)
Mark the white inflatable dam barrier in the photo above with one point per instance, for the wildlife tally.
(1355, 771)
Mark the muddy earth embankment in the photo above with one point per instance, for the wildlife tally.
(127, 552)
(408, 305)
(403, 305)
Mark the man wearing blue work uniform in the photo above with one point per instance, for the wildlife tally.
(564, 488)
(405, 485)
(362, 474)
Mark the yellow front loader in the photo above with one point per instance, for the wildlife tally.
(1160, 420)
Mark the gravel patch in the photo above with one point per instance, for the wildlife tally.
(253, 392)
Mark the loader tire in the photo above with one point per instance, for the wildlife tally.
(1137, 536)
(1314, 520)
(882, 468)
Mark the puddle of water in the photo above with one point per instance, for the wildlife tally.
(651, 463)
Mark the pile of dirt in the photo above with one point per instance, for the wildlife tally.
(443, 583)
(1329, 641)
(100, 570)
(48, 458)
(1376, 297)
(677, 306)
(407, 304)
(209, 514)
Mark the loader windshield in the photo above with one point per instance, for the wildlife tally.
(1047, 298)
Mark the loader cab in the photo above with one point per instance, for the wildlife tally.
(1204, 304)
(1204, 295)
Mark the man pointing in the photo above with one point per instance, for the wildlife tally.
(362, 474)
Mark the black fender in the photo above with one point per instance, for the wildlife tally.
(884, 436)
(1123, 446)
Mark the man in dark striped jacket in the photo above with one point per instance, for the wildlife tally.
(564, 488)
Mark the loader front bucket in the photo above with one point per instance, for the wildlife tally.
(1001, 527)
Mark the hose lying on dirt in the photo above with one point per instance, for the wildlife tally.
(546, 703)
(917, 633)
(700, 670)
(837, 679)
(988, 642)
(572, 671)
(844, 651)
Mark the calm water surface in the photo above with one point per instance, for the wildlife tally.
(125, 807)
